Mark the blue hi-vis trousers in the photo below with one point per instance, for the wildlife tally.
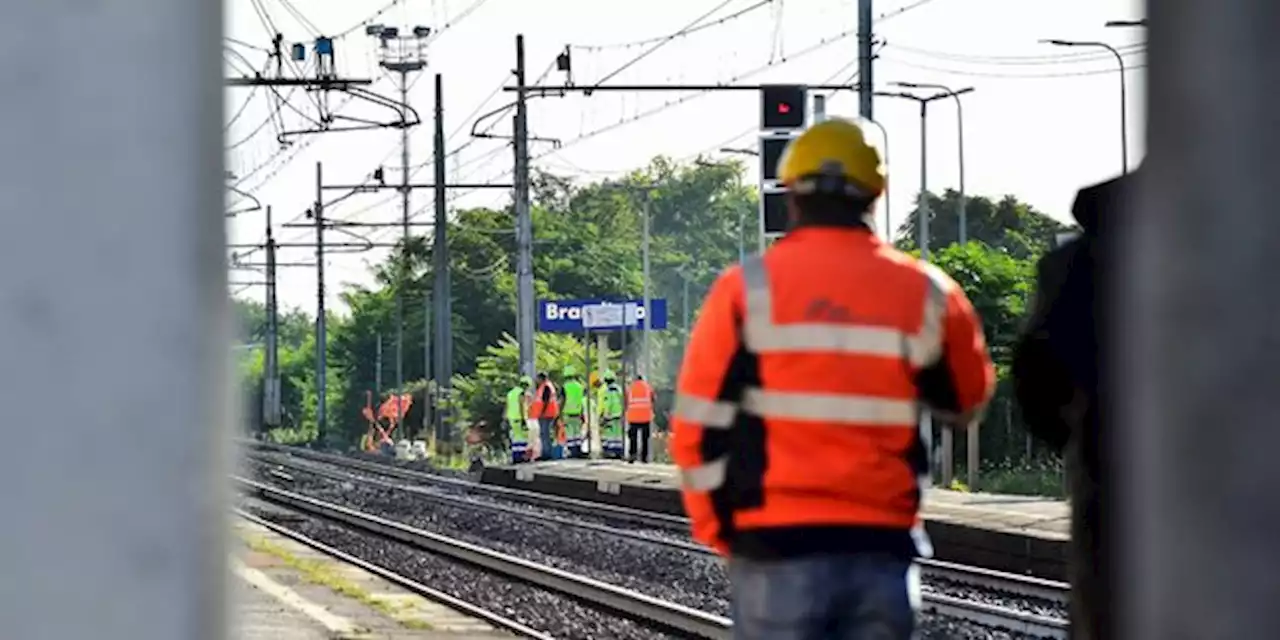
(519, 440)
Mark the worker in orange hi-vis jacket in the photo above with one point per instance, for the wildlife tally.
(798, 405)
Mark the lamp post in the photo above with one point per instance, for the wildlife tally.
(922, 224)
(742, 246)
(1124, 118)
(963, 213)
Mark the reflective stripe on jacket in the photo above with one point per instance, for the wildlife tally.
(640, 402)
(795, 420)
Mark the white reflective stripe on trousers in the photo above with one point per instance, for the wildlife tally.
(762, 335)
(707, 476)
(710, 414)
(839, 409)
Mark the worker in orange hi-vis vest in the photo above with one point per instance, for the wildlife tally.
(639, 418)
(796, 421)
(546, 409)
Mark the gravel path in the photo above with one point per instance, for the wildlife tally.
(693, 579)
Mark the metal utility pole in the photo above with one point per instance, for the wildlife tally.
(405, 57)
(524, 224)
(428, 413)
(377, 372)
(866, 77)
(321, 335)
(922, 221)
(1124, 100)
(440, 267)
(271, 373)
(963, 205)
(884, 136)
(644, 328)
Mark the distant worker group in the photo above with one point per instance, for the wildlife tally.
(549, 423)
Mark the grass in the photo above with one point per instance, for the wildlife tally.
(1025, 478)
(320, 573)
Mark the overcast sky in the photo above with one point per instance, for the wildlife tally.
(1042, 121)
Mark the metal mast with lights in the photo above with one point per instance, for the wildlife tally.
(402, 54)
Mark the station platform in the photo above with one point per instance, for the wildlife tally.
(284, 590)
(1018, 534)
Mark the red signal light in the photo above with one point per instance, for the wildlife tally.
(784, 108)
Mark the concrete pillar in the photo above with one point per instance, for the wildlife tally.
(113, 321)
(1199, 336)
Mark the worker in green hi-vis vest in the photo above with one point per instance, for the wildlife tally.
(517, 415)
(610, 404)
(572, 411)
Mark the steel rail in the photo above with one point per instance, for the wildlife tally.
(624, 602)
(586, 507)
(949, 606)
(462, 606)
(1020, 585)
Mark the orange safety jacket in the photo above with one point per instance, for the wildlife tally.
(540, 408)
(640, 402)
(796, 416)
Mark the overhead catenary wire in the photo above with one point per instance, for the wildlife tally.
(1129, 68)
(1074, 57)
(658, 45)
(682, 34)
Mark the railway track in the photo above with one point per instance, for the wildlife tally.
(624, 603)
(973, 577)
(498, 620)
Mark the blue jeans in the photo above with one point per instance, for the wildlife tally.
(848, 596)
(547, 436)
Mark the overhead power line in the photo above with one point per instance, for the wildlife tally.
(1074, 57)
(682, 33)
(1014, 76)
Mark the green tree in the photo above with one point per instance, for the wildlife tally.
(1008, 224)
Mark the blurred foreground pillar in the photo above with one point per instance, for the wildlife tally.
(1199, 420)
(113, 336)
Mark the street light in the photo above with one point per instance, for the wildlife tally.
(884, 137)
(922, 224)
(742, 246)
(963, 213)
(1124, 119)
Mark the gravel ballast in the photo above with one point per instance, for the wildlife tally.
(690, 578)
(693, 579)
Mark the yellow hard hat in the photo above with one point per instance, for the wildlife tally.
(832, 149)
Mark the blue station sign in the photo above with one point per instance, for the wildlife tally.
(576, 316)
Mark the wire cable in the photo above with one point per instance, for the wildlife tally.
(648, 41)
(658, 45)
(1073, 57)
(1011, 76)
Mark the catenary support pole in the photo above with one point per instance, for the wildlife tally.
(440, 262)
(428, 412)
(114, 518)
(648, 312)
(402, 266)
(524, 224)
(866, 77)
(271, 377)
(1197, 340)
(322, 350)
